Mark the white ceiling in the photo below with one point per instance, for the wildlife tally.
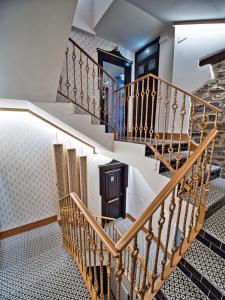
(134, 23)
(182, 10)
(128, 26)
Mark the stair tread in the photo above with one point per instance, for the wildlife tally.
(179, 286)
(215, 225)
(208, 264)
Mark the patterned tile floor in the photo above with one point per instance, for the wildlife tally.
(208, 264)
(34, 265)
(215, 225)
(178, 287)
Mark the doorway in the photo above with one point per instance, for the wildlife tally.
(113, 185)
(147, 61)
(119, 67)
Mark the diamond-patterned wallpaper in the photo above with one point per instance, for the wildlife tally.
(27, 186)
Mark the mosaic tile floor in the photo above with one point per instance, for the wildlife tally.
(178, 287)
(215, 225)
(208, 264)
(34, 265)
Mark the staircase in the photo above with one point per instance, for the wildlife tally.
(151, 257)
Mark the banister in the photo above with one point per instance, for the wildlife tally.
(141, 221)
(91, 59)
(95, 226)
(202, 101)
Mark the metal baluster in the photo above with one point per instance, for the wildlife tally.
(182, 114)
(153, 93)
(74, 74)
(161, 222)
(119, 274)
(101, 259)
(146, 111)
(67, 74)
(87, 85)
(93, 89)
(136, 111)
(179, 196)
(174, 107)
(159, 103)
(124, 112)
(109, 270)
(166, 104)
(172, 207)
(134, 256)
(81, 80)
(149, 237)
(142, 107)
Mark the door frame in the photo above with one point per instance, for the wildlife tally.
(116, 58)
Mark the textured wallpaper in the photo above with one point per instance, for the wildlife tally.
(89, 43)
(27, 186)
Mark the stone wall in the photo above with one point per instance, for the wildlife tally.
(214, 93)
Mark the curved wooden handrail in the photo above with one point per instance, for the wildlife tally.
(142, 220)
(95, 226)
(91, 59)
(202, 101)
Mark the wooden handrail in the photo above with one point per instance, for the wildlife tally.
(95, 226)
(91, 59)
(202, 101)
(141, 221)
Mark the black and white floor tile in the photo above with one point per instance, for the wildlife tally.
(178, 286)
(215, 225)
(208, 264)
(35, 265)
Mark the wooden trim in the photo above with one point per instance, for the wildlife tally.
(160, 198)
(213, 59)
(48, 122)
(27, 227)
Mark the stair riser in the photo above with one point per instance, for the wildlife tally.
(203, 284)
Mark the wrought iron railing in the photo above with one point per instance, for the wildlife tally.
(86, 84)
(142, 258)
(153, 111)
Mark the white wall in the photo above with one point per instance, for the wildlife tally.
(139, 193)
(33, 37)
(193, 43)
(166, 54)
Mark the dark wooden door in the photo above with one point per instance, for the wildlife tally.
(114, 195)
(113, 183)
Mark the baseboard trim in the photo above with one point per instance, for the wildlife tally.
(27, 227)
